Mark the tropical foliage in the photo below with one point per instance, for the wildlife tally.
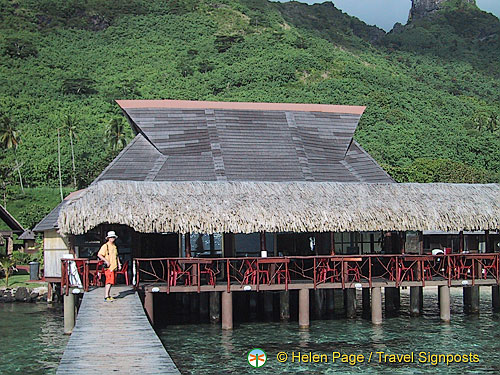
(430, 87)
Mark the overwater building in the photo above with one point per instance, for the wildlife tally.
(225, 197)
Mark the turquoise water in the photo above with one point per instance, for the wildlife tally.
(31, 338)
(206, 349)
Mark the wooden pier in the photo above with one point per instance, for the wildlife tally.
(114, 337)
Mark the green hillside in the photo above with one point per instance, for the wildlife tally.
(431, 88)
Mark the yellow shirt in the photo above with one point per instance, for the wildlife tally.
(110, 253)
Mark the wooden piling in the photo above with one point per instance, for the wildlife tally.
(365, 297)
(330, 305)
(204, 306)
(389, 299)
(285, 306)
(227, 310)
(350, 302)
(444, 303)
(318, 303)
(214, 306)
(303, 308)
(376, 305)
(69, 312)
(268, 305)
(474, 297)
(471, 299)
(495, 298)
(415, 302)
(148, 306)
(338, 302)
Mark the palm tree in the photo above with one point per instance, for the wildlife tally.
(9, 139)
(70, 124)
(59, 162)
(115, 134)
(7, 266)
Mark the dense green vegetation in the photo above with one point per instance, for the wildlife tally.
(431, 88)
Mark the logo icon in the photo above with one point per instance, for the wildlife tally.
(257, 357)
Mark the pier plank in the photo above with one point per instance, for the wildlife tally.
(114, 337)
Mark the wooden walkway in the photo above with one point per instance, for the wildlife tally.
(114, 337)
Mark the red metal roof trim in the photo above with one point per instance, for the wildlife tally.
(191, 104)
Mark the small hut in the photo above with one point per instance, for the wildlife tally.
(7, 236)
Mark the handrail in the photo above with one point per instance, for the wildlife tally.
(83, 273)
(350, 269)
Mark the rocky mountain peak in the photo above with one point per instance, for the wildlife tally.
(424, 8)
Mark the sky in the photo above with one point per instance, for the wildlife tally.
(385, 13)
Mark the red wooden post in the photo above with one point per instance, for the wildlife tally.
(473, 269)
(342, 271)
(449, 269)
(286, 276)
(228, 276)
(370, 271)
(168, 276)
(198, 266)
(314, 272)
(397, 270)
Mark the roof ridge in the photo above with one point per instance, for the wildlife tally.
(252, 106)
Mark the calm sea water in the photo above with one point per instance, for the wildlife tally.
(31, 341)
(205, 349)
(31, 338)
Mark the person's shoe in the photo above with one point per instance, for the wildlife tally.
(109, 299)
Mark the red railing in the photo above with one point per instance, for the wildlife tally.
(346, 270)
(70, 268)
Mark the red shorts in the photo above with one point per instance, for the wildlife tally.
(110, 277)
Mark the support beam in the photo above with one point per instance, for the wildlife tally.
(471, 299)
(444, 303)
(303, 308)
(330, 305)
(148, 306)
(204, 297)
(318, 303)
(338, 302)
(69, 312)
(268, 305)
(365, 296)
(474, 297)
(285, 306)
(390, 301)
(495, 298)
(50, 292)
(415, 302)
(227, 310)
(350, 303)
(377, 305)
(214, 307)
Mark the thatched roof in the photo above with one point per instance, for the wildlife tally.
(246, 207)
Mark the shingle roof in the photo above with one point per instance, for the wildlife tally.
(10, 220)
(217, 141)
(50, 221)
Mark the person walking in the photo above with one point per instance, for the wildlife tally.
(109, 255)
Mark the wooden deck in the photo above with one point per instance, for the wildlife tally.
(114, 337)
(296, 285)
